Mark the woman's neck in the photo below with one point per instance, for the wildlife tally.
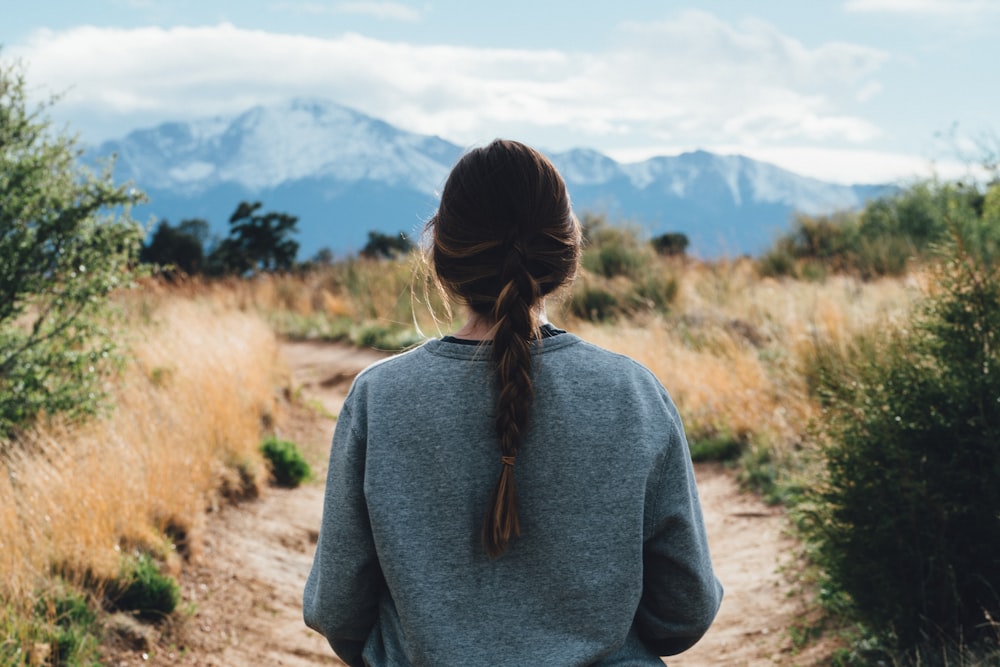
(480, 327)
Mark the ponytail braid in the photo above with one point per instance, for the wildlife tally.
(514, 330)
(504, 237)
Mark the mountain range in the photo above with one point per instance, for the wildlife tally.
(344, 173)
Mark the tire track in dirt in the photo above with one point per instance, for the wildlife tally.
(244, 588)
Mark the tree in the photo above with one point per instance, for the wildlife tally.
(181, 247)
(66, 242)
(256, 242)
(670, 244)
(386, 246)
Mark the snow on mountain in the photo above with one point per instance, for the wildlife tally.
(344, 173)
(266, 147)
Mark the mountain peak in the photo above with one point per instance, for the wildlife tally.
(344, 173)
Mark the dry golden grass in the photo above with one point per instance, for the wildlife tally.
(734, 349)
(200, 386)
(733, 352)
(187, 421)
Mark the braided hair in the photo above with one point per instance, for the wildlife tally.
(504, 237)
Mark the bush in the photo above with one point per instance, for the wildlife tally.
(64, 249)
(907, 522)
(777, 262)
(884, 237)
(655, 291)
(616, 251)
(287, 465)
(61, 630)
(722, 447)
(592, 302)
(144, 589)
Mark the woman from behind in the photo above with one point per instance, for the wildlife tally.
(509, 494)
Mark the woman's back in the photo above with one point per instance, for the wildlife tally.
(527, 500)
(611, 549)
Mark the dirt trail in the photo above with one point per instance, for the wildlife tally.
(242, 591)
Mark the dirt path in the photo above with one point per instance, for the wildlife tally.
(242, 592)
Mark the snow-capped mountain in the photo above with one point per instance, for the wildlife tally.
(344, 173)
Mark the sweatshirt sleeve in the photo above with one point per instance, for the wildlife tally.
(681, 594)
(345, 584)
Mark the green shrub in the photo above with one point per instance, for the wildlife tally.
(885, 236)
(61, 630)
(777, 262)
(287, 465)
(592, 302)
(145, 590)
(66, 243)
(654, 291)
(379, 336)
(723, 447)
(75, 641)
(614, 250)
(906, 523)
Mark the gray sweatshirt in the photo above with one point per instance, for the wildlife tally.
(612, 566)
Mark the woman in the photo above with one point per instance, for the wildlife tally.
(429, 553)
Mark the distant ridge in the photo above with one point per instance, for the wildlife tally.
(344, 173)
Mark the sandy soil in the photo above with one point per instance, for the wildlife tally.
(242, 588)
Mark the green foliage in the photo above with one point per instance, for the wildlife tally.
(66, 242)
(385, 246)
(621, 276)
(654, 291)
(885, 237)
(145, 590)
(908, 521)
(381, 336)
(181, 247)
(288, 467)
(61, 630)
(722, 447)
(614, 251)
(592, 302)
(777, 262)
(74, 641)
(256, 242)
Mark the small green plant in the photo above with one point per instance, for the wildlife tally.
(61, 630)
(380, 336)
(143, 589)
(288, 467)
(722, 447)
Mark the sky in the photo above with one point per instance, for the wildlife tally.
(849, 91)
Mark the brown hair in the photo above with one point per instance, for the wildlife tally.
(504, 237)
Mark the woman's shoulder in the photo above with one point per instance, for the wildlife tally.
(391, 365)
(603, 357)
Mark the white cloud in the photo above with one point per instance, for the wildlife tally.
(392, 11)
(835, 165)
(936, 7)
(383, 10)
(693, 79)
(868, 91)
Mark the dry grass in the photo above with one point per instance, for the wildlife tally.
(187, 422)
(735, 349)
